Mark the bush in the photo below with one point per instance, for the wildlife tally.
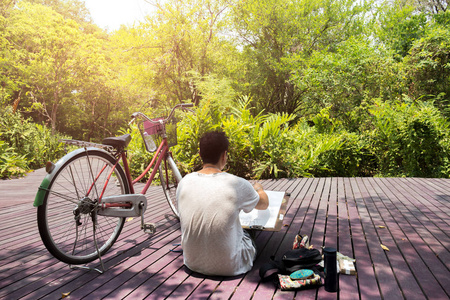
(11, 164)
(410, 139)
(352, 158)
(261, 146)
(25, 145)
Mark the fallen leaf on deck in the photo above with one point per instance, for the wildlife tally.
(130, 219)
(64, 295)
(384, 247)
(381, 226)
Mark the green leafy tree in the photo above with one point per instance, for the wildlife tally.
(8, 86)
(25, 145)
(347, 80)
(399, 26)
(61, 72)
(71, 9)
(45, 46)
(276, 36)
(176, 45)
(432, 6)
(427, 66)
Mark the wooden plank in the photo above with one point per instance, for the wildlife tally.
(79, 282)
(435, 234)
(427, 206)
(26, 187)
(123, 242)
(433, 230)
(392, 234)
(226, 288)
(368, 286)
(321, 226)
(415, 252)
(331, 230)
(37, 243)
(46, 281)
(435, 192)
(307, 213)
(139, 280)
(437, 184)
(343, 211)
(348, 285)
(370, 217)
(246, 289)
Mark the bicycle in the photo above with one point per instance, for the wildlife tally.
(86, 196)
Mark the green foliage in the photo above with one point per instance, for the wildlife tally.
(59, 70)
(261, 146)
(410, 139)
(400, 27)
(277, 36)
(25, 145)
(11, 164)
(428, 67)
(190, 129)
(351, 157)
(270, 147)
(318, 75)
(347, 80)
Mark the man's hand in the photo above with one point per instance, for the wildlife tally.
(263, 198)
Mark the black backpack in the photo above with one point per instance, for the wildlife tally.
(291, 261)
(302, 258)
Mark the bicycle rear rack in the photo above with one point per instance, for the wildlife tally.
(85, 144)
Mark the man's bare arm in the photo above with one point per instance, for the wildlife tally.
(263, 198)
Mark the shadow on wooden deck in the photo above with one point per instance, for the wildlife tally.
(410, 216)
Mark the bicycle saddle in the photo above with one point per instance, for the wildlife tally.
(117, 141)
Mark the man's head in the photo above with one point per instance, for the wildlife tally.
(212, 145)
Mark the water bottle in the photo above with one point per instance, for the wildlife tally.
(330, 270)
(149, 142)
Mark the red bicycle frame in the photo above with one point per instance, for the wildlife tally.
(160, 153)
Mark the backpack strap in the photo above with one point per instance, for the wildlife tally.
(318, 272)
(269, 271)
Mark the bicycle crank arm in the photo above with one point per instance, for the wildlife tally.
(138, 206)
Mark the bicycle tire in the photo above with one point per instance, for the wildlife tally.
(170, 177)
(66, 238)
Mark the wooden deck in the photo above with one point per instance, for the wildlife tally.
(346, 213)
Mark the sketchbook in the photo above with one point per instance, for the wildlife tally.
(270, 219)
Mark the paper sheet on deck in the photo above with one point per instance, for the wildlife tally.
(265, 218)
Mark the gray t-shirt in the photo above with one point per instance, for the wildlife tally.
(212, 237)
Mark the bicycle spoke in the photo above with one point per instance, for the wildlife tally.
(68, 199)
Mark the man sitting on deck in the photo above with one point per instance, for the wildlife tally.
(209, 202)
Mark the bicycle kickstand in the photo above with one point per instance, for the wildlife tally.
(94, 228)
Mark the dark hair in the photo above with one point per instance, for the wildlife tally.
(212, 145)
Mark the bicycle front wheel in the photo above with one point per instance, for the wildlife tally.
(68, 222)
(170, 177)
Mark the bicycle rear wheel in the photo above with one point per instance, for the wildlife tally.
(66, 217)
(170, 177)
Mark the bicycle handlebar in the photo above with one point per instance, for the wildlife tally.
(183, 106)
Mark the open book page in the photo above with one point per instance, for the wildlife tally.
(264, 218)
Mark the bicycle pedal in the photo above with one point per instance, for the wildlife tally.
(149, 228)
